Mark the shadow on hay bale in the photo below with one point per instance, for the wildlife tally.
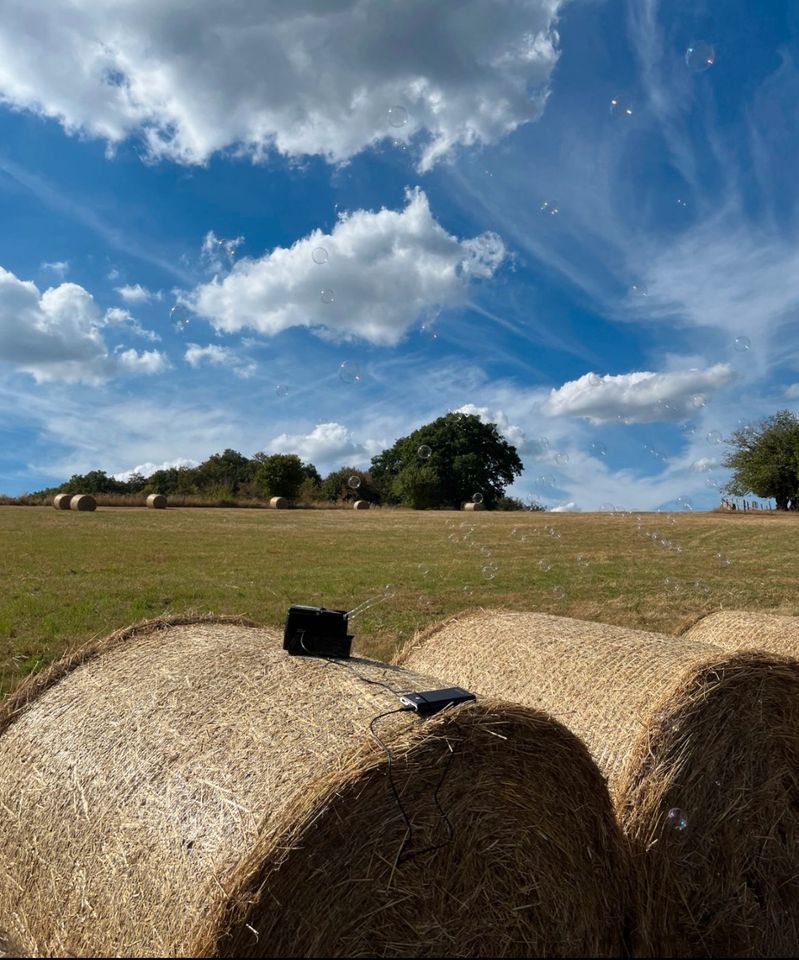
(185, 788)
(361, 505)
(741, 630)
(82, 501)
(61, 501)
(673, 725)
(156, 501)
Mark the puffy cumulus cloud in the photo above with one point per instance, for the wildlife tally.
(383, 271)
(136, 293)
(640, 397)
(119, 317)
(511, 432)
(217, 356)
(330, 444)
(148, 469)
(56, 335)
(301, 77)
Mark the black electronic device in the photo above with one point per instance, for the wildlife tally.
(431, 701)
(317, 632)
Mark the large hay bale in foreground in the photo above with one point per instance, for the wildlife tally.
(674, 725)
(82, 501)
(742, 630)
(188, 789)
(156, 501)
(61, 501)
(278, 503)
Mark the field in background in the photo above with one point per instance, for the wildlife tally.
(68, 576)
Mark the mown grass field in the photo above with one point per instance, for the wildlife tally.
(69, 576)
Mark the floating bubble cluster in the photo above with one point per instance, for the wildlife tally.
(180, 317)
(477, 498)
(424, 452)
(354, 482)
(550, 208)
(349, 372)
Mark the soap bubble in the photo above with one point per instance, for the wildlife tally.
(639, 290)
(606, 508)
(349, 372)
(424, 452)
(676, 819)
(282, 390)
(697, 401)
(477, 498)
(561, 458)
(582, 561)
(490, 570)
(700, 57)
(354, 482)
(621, 107)
(544, 565)
(327, 296)
(542, 445)
(714, 436)
(598, 449)
(742, 344)
(467, 589)
(682, 203)
(685, 503)
(180, 317)
(545, 480)
(550, 208)
(423, 569)
(558, 592)
(724, 561)
(397, 116)
(319, 255)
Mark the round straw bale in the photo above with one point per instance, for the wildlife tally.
(61, 501)
(360, 505)
(471, 505)
(156, 501)
(189, 789)
(82, 501)
(278, 503)
(742, 629)
(674, 725)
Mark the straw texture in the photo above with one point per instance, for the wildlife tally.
(156, 501)
(61, 501)
(82, 501)
(188, 789)
(672, 724)
(278, 503)
(742, 629)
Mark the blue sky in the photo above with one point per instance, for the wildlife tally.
(614, 287)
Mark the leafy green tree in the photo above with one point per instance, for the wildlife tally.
(229, 469)
(172, 481)
(336, 486)
(466, 456)
(280, 474)
(765, 460)
(96, 481)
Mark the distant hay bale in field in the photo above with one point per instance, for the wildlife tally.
(278, 503)
(360, 505)
(61, 501)
(470, 505)
(674, 725)
(82, 501)
(186, 788)
(742, 630)
(156, 501)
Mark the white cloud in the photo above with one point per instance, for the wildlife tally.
(570, 507)
(148, 469)
(383, 271)
(217, 356)
(147, 362)
(329, 444)
(302, 77)
(640, 397)
(218, 254)
(135, 293)
(59, 267)
(119, 317)
(792, 392)
(55, 335)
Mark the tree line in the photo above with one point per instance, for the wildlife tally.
(454, 459)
